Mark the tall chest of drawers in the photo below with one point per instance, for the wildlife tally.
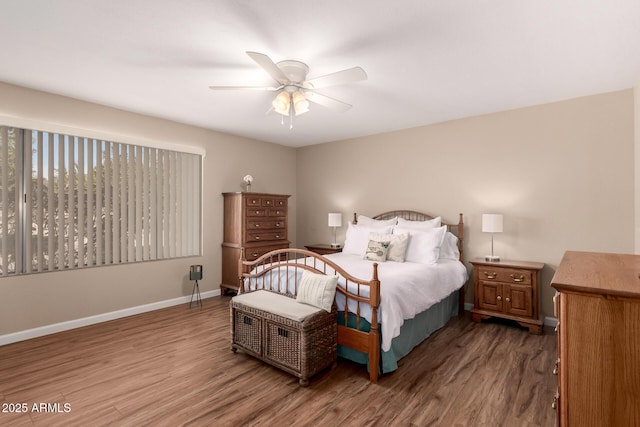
(256, 222)
(597, 304)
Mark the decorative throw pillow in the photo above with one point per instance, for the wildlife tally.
(357, 238)
(397, 244)
(317, 290)
(376, 251)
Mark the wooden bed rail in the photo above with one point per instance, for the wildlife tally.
(281, 270)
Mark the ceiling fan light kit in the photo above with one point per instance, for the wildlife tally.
(294, 90)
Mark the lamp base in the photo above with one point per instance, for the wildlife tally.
(335, 245)
(492, 258)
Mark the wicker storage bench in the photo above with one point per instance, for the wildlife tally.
(275, 328)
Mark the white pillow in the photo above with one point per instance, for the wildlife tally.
(420, 225)
(317, 290)
(370, 222)
(397, 244)
(424, 246)
(376, 251)
(357, 238)
(449, 248)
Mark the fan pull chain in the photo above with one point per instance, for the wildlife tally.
(291, 116)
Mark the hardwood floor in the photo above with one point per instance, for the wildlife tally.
(174, 367)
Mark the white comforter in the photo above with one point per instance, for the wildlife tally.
(406, 289)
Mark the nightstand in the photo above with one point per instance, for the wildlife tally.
(509, 290)
(323, 249)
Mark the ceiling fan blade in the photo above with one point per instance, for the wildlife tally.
(265, 88)
(269, 66)
(349, 75)
(326, 101)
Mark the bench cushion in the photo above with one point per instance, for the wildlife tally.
(278, 304)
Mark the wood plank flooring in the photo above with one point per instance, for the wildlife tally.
(174, 367)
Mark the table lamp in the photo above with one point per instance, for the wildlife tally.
(335, 221)
(492, 223)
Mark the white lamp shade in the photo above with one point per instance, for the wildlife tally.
(492, 223)
(335, 220)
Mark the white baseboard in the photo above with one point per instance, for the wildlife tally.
(91, 320)
(551, 321)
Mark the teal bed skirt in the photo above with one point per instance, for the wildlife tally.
(412, 333)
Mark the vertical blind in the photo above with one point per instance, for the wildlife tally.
(74, 202)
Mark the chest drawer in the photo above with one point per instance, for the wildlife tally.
(266, 202)
(266, 224)
(259, 236)
(253, 252)
(505, 275)
(273, 212)
(256, 211)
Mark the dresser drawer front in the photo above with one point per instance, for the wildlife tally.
(277, 212)
(274, 202)
(256, 211)
(505, 275)
(254, 225)
(253, 253)
(262, 236)
(253, 201)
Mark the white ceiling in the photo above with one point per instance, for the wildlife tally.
(427, 61)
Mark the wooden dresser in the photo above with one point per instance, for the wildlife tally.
(509, 290)
(256, 222)
(598, 308)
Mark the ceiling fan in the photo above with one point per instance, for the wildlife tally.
(294, 90)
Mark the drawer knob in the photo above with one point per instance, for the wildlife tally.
(257, 237)
(499, 298)
(517, 279)
(507, 299)
(277, 224)
(277, 236)
(490, 275)
(255, 254)
(555, 368)
(257, 225)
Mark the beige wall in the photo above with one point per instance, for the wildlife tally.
(562, 174)
(36, 300)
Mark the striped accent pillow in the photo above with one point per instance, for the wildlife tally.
(317, 290)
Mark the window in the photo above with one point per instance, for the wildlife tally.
(73, 202)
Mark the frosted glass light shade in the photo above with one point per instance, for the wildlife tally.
(492, 223)
(281, 103)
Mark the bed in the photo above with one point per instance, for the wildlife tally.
(407, 284)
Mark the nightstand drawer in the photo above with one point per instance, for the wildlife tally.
(505, 275)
